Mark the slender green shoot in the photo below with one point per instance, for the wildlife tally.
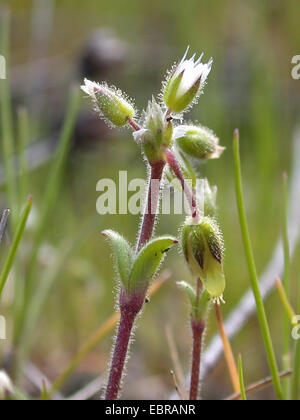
(289, 311)
(23, 140)
(15, 244)
(23, 190)
(44, 287)
(241, 378)
(286, 360)
(252, 270)
(51, 192)
(7, 121)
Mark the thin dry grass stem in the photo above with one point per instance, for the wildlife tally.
(176, 386)
(182, 391)
(230, 360)
(259, 385)
(3, 223)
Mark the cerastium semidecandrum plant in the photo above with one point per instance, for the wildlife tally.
(165, 142)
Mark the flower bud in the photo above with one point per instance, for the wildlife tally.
(185, 83)
(110, 102)
(198, 142)
(157, 133)
(6, 386)
(202, 245)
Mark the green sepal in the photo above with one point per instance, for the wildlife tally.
(181, 103)
(114, 108)
(198, 311)
(124, 255)
(170, 91)
(148, 261)
(202, 246)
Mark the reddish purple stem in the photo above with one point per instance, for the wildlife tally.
(172, 161)
(198, 328)
(133, 124)
(130, 306)
(152, 203)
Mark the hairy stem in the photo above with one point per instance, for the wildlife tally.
(173, 163)
(286, 359)
(146, 232)
(198, 327)
(130, 307)
(133, 124)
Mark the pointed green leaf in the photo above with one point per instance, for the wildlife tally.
(148, 260)
(200, 310)
(241, 378)
(190, 292)
(123, 254)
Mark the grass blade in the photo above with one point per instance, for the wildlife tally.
(23, 140)
(252, 271)
(7, 121)
(51, 193)
(286, 360)
(241, 378)
(289, 311)
(15, 244)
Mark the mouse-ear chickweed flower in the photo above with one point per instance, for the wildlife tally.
(198, 142)
(165, 145)
(203, 248)
(156, 133)
(185, 83)
(109, 102)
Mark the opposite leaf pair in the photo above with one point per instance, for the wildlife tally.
(136, 271)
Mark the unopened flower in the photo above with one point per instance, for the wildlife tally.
(157, 132)
(109, 102)
(6, 386)
(202, 245)
(185, 83)
(198, 142)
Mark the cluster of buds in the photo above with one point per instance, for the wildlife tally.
(156, 132)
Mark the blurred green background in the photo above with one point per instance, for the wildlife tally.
(132, 45)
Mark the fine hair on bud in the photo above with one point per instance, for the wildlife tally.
(110, 103)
